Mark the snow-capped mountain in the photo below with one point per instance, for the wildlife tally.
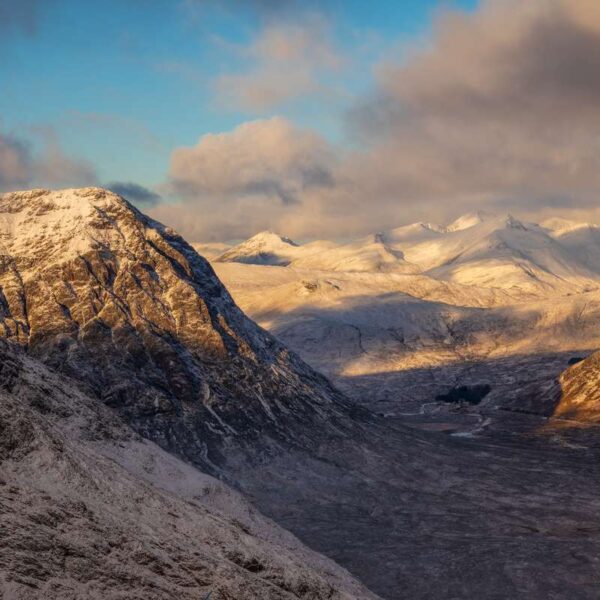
(116, 300)
(470, 220)
(369, 255)
(488, 287)
(268, 248)
(128, 313)
(504, 253)
(479, 249)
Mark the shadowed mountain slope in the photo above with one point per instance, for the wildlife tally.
(90, 510)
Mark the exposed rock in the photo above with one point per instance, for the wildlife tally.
(112, 298)
(578, 391)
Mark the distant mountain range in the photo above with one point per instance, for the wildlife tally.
(479, 249)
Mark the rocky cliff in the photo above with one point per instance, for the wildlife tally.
(108, 296)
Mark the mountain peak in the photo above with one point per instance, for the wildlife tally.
(56, 226)
(99, 291)
(268, 236)
(264, 248)
(469, 220)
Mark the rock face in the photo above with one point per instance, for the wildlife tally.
(577, 392)
(123, 304)
(90, 510)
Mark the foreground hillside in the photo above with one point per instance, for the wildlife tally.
(88, 509)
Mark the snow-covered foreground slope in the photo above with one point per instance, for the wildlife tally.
(88, 509)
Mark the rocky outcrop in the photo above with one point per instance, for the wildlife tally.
(578, 391)
(124, 305)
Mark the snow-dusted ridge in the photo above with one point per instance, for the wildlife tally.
(122, 303)
(91, 510)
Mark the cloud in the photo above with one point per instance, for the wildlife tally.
(134, 192)
(15, 162)
(287, 62)
(504, 104)
(20, 16)
(23, 167)
(501, 109)
(259, 175)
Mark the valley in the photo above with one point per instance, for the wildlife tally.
(446, 460)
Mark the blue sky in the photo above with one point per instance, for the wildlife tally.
(123, 82)
(312, 118)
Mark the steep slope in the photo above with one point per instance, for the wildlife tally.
(470, 220)
(411, 234)
(106, 295)
(576, 395)
(90, 510)
(581, 239)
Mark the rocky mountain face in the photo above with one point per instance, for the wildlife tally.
(106, 295)
(576, 394)
(88, 509)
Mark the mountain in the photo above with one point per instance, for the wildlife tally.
(370, 254)
(88, 509)
(411, 234)
(581, 239)
(503, 252)
(104, 294)
(265, 248)
(577, 392)
(422, 496)
(268, 248)
(470, 220)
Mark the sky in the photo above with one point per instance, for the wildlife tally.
(323, 118)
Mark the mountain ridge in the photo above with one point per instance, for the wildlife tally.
(112, 298)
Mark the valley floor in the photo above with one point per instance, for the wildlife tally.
(440, 500)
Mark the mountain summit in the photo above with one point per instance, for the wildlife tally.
(264, 248)
(106, 295)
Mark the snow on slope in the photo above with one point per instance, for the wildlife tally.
(582, 240)
(479, 249)
(95, 289)
(268, 248)
(411, 234)
(491, 288)
(470, 220)
(90, 510)
(505, 253)
(369, 255)
(378, 327)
